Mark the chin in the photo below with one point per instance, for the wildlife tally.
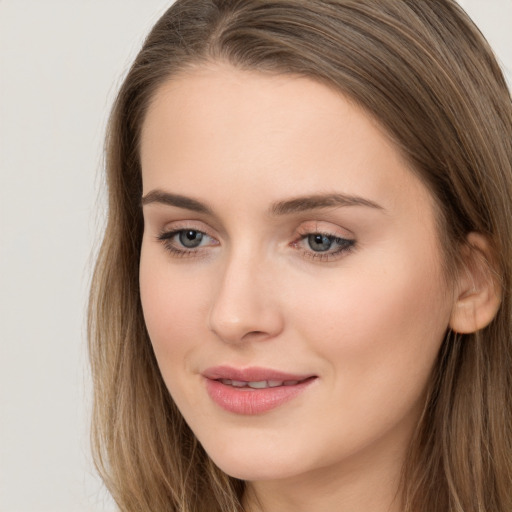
(253, 471)
(262, 462)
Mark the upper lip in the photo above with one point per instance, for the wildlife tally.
(251, 374)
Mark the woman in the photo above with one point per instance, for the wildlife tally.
(302, 300)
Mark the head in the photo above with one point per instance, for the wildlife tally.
(424, 75)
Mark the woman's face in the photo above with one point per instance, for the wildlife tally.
(291, 274)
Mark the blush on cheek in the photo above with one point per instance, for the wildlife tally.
(381, 319)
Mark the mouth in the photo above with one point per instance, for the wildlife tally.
(260, 384)
(253, 391)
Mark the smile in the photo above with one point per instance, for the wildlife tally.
(262, 384)
(252, 391)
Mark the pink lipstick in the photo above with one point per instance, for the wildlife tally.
(253, 390)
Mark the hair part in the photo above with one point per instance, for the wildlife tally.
(428, 76)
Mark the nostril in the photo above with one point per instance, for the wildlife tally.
(255, 333)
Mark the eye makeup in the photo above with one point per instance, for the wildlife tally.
(188, 241)
(323, 246)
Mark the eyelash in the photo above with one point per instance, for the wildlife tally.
(345, 245)
(166, 238)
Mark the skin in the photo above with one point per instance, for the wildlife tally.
(367, 322)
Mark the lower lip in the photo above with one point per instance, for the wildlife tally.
(250, 401)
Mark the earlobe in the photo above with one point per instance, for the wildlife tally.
(478, 295)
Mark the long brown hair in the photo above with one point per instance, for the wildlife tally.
(425, 72)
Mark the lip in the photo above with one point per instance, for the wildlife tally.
(249, 401)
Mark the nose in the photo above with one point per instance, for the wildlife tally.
(245, 305)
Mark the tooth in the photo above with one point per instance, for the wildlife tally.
(262, 384)
(258, 385)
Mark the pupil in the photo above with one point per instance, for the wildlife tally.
(190, 238)
(319, 243)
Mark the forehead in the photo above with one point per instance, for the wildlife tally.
(254, 131)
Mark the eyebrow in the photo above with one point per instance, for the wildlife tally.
(161, 197)
(294, 205)
(317, 201)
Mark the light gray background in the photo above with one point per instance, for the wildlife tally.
(60, 65)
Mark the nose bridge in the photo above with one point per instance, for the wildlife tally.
(244, 300)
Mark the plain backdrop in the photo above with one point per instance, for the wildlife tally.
(61, 62)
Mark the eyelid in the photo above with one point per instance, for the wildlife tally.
(346, 241)
(344, 247)
(325, 228)
(342, 242)
(181, 225)
(172, 229)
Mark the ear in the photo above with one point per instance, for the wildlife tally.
(478, 294)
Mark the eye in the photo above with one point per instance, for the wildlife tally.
(323, 246)
(186, 242)
(320, 243)
(190, 238)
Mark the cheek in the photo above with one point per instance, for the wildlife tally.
(171, 303)
(380, 329)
